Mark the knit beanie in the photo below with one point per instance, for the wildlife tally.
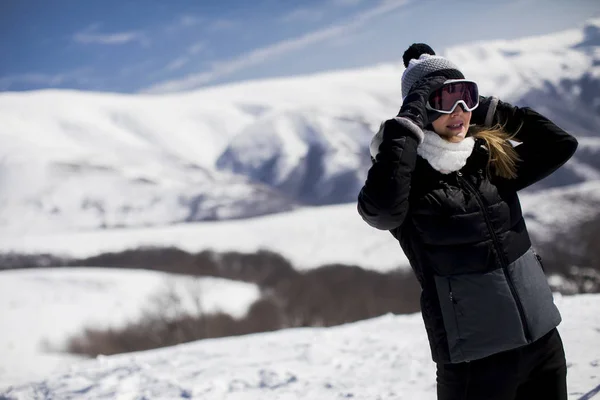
(420, 61)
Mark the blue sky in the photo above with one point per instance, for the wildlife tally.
(175, 45)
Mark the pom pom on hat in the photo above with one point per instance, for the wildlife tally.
(420, 60)
(415, 51)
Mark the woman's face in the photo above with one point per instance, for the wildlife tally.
(453, 127)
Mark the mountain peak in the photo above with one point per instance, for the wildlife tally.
(591, 34)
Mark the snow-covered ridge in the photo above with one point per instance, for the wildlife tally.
(75, 160)
(384, 358)
(522, 64)
(558, 74)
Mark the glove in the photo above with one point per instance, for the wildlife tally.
(485, 112)
(413, 106)
(492, 111)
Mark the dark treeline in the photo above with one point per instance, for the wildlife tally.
(575, 256)
(325, 296)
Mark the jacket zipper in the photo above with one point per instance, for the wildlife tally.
(453, 302)
(500, 254)
(539, 259)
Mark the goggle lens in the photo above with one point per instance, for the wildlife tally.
(445, 98)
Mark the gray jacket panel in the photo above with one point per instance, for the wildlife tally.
(481, 311)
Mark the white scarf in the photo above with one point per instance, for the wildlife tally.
(445, 156)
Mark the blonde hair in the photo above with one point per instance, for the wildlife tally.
(503, 157)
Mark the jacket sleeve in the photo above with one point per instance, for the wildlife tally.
(383, 200)
(543, 148)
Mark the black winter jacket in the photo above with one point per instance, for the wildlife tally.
(483, 287)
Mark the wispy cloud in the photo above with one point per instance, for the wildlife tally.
(190, 52)
(196, 47)
(303, 15)
(345, 3)
(108, 38)
(177, 63)
(221, 25)
(190, 20)
(80, 76)
(317, 13)
(183, 22)
(90, 35)
(264, 54)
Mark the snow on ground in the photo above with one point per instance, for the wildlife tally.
(382, 358)
(40, 308)
(308, 237)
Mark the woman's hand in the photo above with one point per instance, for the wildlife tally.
(492, 111)
(414, 105)
(543, 146)
(485, 112)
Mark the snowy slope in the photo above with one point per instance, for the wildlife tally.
(311, 155)
(85, 160)
(555, 211)
(383, 358)
(75, 160)
(39, 309)
(308, 237)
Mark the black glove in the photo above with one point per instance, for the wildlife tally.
(413, 106)
(487, 105)
(492, 111)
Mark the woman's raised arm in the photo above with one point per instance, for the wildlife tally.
(542, 146)
(383, 200)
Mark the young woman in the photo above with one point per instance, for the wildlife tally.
(444, 181)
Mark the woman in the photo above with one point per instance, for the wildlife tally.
(444, 181)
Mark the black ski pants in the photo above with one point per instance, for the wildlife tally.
(535, 371)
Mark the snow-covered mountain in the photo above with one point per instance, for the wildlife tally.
(86, 160)
(313, 156)
(385, 358)
(77, 160)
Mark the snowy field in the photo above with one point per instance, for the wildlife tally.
(383, 358)
(308, 237)
(39, 309)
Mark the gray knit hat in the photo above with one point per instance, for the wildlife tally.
(420, 60)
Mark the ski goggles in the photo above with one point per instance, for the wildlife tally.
(454, 92)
